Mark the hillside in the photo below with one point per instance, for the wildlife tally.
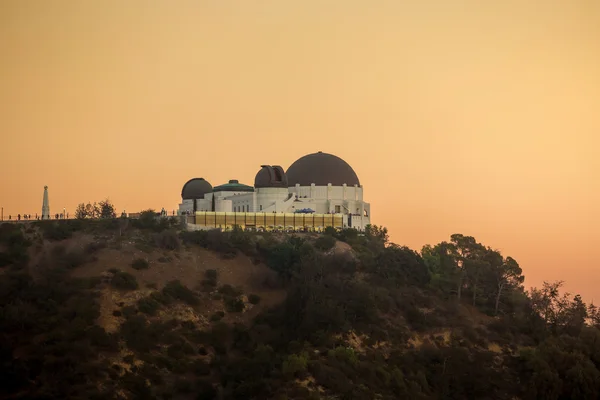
(138, 309)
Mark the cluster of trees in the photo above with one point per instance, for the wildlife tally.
(464, 267)
(104, 209)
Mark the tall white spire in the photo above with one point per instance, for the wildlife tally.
(46, 205)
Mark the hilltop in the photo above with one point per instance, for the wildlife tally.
(141, 309)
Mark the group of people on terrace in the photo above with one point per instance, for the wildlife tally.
(28, 217)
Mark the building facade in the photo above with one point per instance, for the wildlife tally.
(318, 183)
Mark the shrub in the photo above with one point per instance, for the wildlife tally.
(140, 263)
(201, 368)
(210, 282)
(94, 247)
(211, 274)
(228, 290)
(217, 316)
(180, 349)
(234, 304)
(129, 311)
(330, 231)
(69, 260)
(294, 364)
(148, 220)
(345, 354)
(207, 285)
(124, 281)
(178, 291)
(325, 242)
(148, 305)
(205, 390)
(182, 385)
(54, 230)
(254, 299)
(161, 298)
(167, 240)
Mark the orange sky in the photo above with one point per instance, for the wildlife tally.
(481, 118)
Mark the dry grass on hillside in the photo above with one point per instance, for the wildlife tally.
(188, 265)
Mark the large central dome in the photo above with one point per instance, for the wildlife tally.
(321, 169)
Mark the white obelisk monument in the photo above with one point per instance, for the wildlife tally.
(46, 205)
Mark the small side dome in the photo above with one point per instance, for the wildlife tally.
(233, 186)
(195, 189)
(271, 176)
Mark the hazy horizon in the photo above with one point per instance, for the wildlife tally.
(473, 118)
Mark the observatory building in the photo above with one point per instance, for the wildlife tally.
(316, 191)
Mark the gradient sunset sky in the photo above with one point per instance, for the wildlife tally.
(463, 116)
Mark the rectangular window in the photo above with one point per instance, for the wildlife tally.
(337, 209)
(260, 207)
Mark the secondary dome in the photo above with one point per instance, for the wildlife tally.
(321, 169)
(233, 186)
(195, 189)
(271, 176)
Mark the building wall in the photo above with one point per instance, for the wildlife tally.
(329, 192)
(272, 200)
(223, 205)
(322, 199)
(243, 202)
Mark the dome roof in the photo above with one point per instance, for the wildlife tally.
(233, 186)
(321, 169)
(270, 176)
(195, 189)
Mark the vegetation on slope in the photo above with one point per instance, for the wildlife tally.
(376, 321)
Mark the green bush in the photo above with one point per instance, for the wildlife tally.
(234, 304)
(124, 281)
(16, 243)
(254, 299)
(140, 263)
(325, 242)
(294, 365)
(58, 230)
(210, 282)
(167, 240)
(148, 305)
(228, 290)
(178, 291)
(129, 311)
(162, 298)
(211, 274)
(200, 368)
(217, 316)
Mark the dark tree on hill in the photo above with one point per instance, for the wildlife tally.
(81, 212)
(87, 211)
(468, 253)
(507, 274)
(104, 209)
(107, 209)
